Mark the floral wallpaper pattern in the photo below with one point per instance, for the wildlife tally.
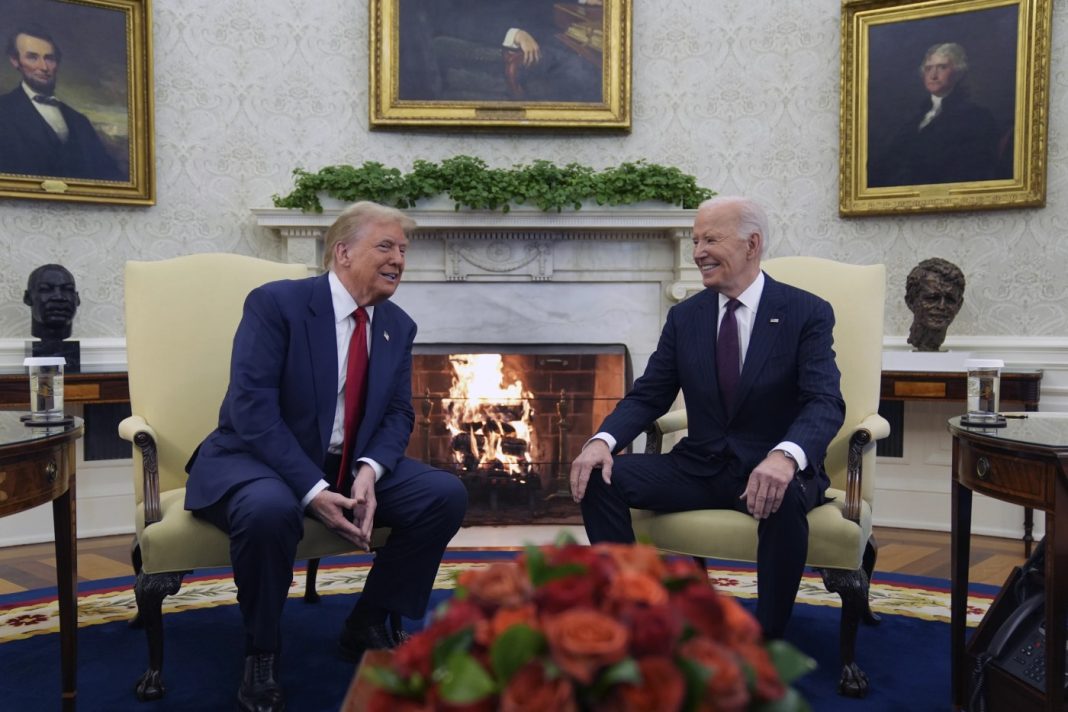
(742, 94)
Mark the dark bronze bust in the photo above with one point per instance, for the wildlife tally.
(934, 293)
(53, 300)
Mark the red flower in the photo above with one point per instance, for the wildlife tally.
(578, 591)
(662, 688)
(583, 641)
(630, 586)
(767, 686)
(500, 584)
(726, 690)
(532, 691)
(699, 605)
(653, 630)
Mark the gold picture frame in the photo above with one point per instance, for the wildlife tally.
(463, 63)
(984, 146)
(92, 140)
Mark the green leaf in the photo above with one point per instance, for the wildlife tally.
(513, 649)
(625, 671)
(459, 642)
(790, 702)
(696, 677)
(789, 662)
(463, 681)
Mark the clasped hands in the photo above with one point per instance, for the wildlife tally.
(330, 508)
(763, 492)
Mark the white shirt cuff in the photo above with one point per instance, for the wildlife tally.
(379, 470)
(603, 436)
(509, 38)
(316, 489)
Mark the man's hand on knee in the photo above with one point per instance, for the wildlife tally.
(595, 455)
(767, 484)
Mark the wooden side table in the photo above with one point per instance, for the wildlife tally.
(1025, 463)
(37, 465)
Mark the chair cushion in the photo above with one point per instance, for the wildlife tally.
(203, 545)
(834, 541)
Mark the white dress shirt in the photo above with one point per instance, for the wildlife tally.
(49, 113)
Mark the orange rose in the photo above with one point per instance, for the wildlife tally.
(699, 605)
(531, 691)
(630, 586)
(488, 631)
(583, 641)
(662, 688)
(502, 583)
(768, 685)
(726, 690)
(640, 558)
(739, 624)
(684, 569)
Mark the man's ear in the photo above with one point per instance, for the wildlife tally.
(27, 299)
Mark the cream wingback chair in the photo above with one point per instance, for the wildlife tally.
(181, 315)
(840, 536)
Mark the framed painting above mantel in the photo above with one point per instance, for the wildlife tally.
(76, 101)
(944, 105)
(500, 64)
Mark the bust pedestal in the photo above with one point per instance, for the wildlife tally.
(70, 350)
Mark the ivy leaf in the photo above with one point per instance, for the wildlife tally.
(789, 662)
(463, 681)
(625, 671)
(450, 645)
(513, 649)
(541, 572)
(696, 677)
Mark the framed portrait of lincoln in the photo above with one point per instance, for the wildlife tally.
(944, 105)
(76, 101)
(500, 63)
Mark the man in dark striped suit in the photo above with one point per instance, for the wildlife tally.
(754, 359)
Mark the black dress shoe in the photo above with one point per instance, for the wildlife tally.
(259, 692)
(355, 641)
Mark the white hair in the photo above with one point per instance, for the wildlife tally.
(751, 217)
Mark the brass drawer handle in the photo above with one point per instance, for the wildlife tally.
(983, 468)
(50, 471)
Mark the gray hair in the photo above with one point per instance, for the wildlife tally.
(350, 224)
(751, 217)
(954, 51)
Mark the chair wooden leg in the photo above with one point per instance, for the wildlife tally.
(852, 588)
(310, 594)
(149, 591)
(135, 561)
(871, 553)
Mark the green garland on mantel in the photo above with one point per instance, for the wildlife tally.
(470, 183)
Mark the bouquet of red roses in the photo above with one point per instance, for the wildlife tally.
(604, 627)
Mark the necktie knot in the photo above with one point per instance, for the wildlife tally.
(360, 315)
(43, 99)
(732, 305)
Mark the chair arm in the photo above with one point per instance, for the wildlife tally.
(873, 427)
(671, 422)
(136, 430)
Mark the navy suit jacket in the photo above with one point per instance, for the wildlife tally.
(278, 412)
(29, 146)
(789, 387)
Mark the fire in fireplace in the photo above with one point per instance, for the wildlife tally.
(509, 420)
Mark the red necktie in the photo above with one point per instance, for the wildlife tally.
(355, 390)
(728, 354)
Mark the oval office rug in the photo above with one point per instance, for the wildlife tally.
(906, 657)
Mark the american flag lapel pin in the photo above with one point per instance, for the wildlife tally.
(774, 320)
(386, 334)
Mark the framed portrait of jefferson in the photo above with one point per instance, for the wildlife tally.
(76, 101)
(944, 105)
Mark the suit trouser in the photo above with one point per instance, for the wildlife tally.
(664, 483)
(423, 507)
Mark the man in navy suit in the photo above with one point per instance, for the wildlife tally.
(278, 451)
(756, 438)
(40, 135)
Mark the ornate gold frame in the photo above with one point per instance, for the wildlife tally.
(388, 110)
(1029, 107)
(140, 189)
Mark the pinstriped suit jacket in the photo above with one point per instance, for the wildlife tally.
(789, 386)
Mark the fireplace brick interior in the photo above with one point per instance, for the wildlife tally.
(569, 389)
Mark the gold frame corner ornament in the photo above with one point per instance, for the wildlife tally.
(1025, 187)
(388, 110)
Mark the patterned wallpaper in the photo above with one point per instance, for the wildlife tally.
(742, 94)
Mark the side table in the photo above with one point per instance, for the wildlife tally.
(37, 465)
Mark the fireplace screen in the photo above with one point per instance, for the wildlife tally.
(508, 421)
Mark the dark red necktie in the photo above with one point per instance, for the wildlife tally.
(728, 354)
(355, 391)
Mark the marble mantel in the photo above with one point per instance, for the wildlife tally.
(596, 244)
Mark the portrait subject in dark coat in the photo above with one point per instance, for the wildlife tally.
(948, 138)
(41, 135)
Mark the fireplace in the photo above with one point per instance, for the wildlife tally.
(508, 420)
